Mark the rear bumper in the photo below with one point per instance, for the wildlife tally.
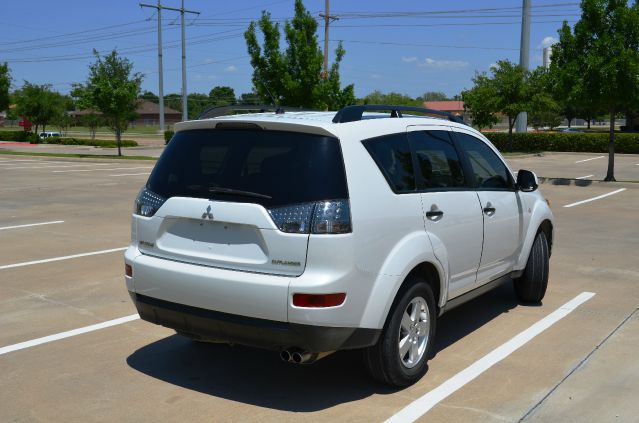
(269, 334)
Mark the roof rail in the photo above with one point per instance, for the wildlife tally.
(354, 113)
(216, 111)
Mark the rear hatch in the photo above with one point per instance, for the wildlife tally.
(240, 199)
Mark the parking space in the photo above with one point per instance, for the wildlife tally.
(136, 371)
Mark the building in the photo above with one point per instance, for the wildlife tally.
(148, 114)
(456, 107)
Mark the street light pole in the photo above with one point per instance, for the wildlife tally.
(158, 7)
(524, 56)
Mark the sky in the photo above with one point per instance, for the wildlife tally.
(406, 46)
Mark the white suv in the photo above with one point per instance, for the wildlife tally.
(311, 232)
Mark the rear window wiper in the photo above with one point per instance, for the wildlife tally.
(231, 191)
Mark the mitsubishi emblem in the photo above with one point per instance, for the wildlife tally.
(207, 213)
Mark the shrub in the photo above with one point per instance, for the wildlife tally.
(167, 136)
(19, 136)
(554, 141)
(95, 143)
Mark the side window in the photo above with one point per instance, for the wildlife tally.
(438, 165)
(392, 155)
(489, 170)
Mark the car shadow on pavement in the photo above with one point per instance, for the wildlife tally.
(470, 316)
(260, 378)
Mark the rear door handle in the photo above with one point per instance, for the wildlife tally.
(489, 211)
(434, 214)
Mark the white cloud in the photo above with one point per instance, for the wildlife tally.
(231, 69)
(442, 64)
(548, 41)
(376, 76)
(409, 59)
(209, 60)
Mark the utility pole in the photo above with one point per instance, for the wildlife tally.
(524, 56)
(182, 10)
(327, 20)
(160, 74)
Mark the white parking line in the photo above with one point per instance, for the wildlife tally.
(592, 158)
(29, 263)
(67, 334)
(420, 406)
(31, 224)
(131, 174)
(595, 198)
(100, 170)
(581, 177)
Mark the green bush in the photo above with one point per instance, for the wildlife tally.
(19, 136)
(557, 141)
(167, 136)
(95, 143)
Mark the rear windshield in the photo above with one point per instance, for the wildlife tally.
(289, 167)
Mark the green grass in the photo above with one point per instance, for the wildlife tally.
(80, 156)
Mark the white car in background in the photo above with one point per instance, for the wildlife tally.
(312, 232)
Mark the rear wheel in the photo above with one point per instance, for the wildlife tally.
(531, 286)
(400, 355)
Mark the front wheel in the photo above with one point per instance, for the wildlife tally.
(400, 355)
(531, 286)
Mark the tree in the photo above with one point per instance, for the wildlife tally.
(480, 102)
(150, 96)
(543, 109)
(92, 120)
(5, 83)
(222, 96)
(197, 102)
(39, 104)
(112, 89)
(378, 97)
(511, 89)
(294, 77)
(249, 98)
(174, 101)
(433, 96)
(603, 53)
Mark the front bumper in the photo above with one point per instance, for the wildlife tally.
(269, 334)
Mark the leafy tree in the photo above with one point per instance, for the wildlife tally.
(63, 121)
(249, 98)
(112, 89)
(5, 83)
(603, 52)
(480, 102)
(378, 97)
(174, 101)
(293, 77)
(543, 109)
(196, 103)
(92, 120)
(39, 104)
(150, 96)
(433, 96)
(222, 96)
(512, 94)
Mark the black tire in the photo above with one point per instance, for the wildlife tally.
(531, 286)
(382, 360)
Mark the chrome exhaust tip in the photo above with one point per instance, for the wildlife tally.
(285, 355)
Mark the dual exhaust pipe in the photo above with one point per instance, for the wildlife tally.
(297, 356)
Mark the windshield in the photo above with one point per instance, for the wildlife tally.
(271, 168)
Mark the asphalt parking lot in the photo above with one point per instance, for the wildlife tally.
(65, 223)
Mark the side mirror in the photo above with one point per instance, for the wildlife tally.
(527, 181)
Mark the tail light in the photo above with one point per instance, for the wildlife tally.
(321, 217)
(147, 203)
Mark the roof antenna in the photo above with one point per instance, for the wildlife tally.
(278, 110)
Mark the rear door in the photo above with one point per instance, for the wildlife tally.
(452, 213)
(501, 207)
(241, 199)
